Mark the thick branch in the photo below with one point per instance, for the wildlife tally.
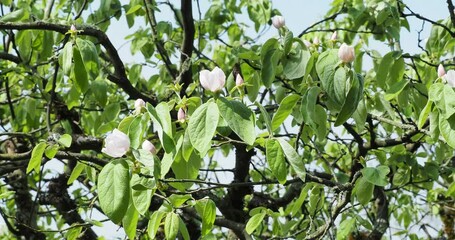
(186, 73)
(119, 77)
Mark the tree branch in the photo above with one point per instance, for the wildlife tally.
(119, 76)
(186, 73)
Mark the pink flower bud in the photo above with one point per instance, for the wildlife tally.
(441, 70)
(212, 80)
(181, 115)
(148, 146)
(334, 36)
(307, 43)
(450, 78)
(238, 80)
(138, 105)
(73, 28)
(116, 144)
(346, 53)
(316, 41)
(278, 22)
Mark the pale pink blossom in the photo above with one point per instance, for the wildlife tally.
(278, 22)
(346, 53)
(116, 144)
(238, 80)
(450, 78)
(148, 146)
(181, 115)
(307, 43)
(138, 105)
(212, 80)
(73, 28)
(441, 70)
(334, 36)
(316, 41)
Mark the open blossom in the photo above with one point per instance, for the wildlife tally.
(181, 115)
(148, 146)
(116, 144)
(450, 78)
(441, 71)
(212, 80)
(346, 53)
(278, 22)
(239, 80)
(138, 105)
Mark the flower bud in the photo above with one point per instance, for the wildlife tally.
(316, 41)
(450, 78)
(148, 146)
(278, 21)
(238, 80)
(346, 53)
(334, 36)
(212, 80)
(441, 70)
(307, 43)
(181, 115)
(116, 144)
(73, 28)
(138, 105)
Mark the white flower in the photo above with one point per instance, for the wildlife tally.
(278, 22)
(148, 146)
(239, 80)
(213, 81)
(450, 78)
(116, 144)
(316, 41)
(73, 28)
(346, 53)
(334, 36)
(138, 105)
(441, 71)
(181, 115)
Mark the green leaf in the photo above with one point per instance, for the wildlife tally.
(294, 159)
(171, 225)
(376, 175)
(145, 157)
(384, 68)
(295, 63)
(202, 126)
(340, 82)
(76, 172)
(133, 9)
(254, 222)
(352, 100)
(142, 199)
(444, 98)
(79, 71)
(308, 106)
(423, 116)
(154, 223)
(239, 118)
(270, 55)
(129, 221)
(301, 199)
(253, 86)
(114, 189)
(364, 191)
(325, 68)
(99, 91)
(346, 227)
(73, 233)
(207, 210)
(65, 140)
(162, 125)
(447, 129)
(186, 170)
(276, 161)
(89, 56)
(37, 155)
(285, 108)
(136, 131)
(51, 150)
(111, 112)
(396, 89)
(67, 58)
(15, 16)
(266, 117)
